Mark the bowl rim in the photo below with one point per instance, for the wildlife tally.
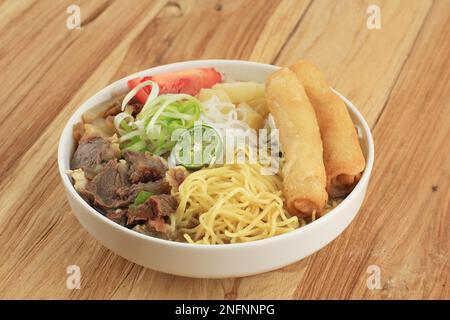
(219, 247)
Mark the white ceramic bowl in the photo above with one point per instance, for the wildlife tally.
(212, 261)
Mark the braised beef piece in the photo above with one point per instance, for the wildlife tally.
(175, 176)
(159, 225)
(103, 191)
(136, 107)
(138, 215)
(115, 109)
(144, 229)
(154, 212)
(144, 167)
(111, 188)
(155, 187)
(118, 216)
(112, 185)
(131, 192)
(162, 205)
(91, 152)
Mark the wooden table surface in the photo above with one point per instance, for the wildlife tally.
(398, 76)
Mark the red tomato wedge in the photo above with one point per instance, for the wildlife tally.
(142, 94)
(188, 81)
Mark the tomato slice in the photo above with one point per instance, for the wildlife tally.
(142, 94)
(188, 81)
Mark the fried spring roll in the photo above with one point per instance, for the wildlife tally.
(304, 178)
(343, 158)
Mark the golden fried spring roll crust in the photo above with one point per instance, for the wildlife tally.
(304, 178)
(343, 158)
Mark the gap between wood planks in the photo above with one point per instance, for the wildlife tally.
(297, 25)
(402, 66)
(97, 12)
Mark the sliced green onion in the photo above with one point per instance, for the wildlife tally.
(120, 122)
(137, 146)
(153, 94)
(177, 116)
(129, 135)
(158, 119)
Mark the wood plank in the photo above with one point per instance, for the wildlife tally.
(281, 24)
(41, 84)
(53, 237)
(403, 226)
(362, 64)
(10, 10)
(175, 35)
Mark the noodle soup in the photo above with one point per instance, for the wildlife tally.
(165, 158)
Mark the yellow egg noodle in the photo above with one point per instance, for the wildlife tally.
(232, 204)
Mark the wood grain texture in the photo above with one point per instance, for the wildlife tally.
(365, 62)
(398, 76)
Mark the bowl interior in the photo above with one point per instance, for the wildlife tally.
(232, 70)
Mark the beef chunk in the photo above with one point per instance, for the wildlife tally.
(154, 212)
(111, 189)
(118, 216)
(105, 191)
(158, 225)
(162, 205)
(130, 192)
(144, 167)
(92, 151)
(144, 229)
(138, 215)
(156, 187)
(136, 108)
(113, 110)
(175, 176)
